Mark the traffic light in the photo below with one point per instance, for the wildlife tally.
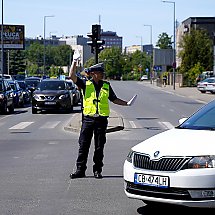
(96, 43)
(96, 31)
(100, 46)
(95, 36)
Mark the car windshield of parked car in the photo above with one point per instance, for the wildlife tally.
(22, 84)
(52, 85)
(13, 86)
(208, 80)
(32, 83)
(0, 85)
(203, 119)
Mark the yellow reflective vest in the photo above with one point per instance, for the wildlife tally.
(92, 105)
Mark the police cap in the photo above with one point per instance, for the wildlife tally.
(97, 67)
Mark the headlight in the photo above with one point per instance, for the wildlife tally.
(36, 97)
(129, 156)
(63, 96)
(1, 96)
(207, 161)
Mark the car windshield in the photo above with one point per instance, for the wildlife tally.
(52, 85)
(0, 85)
(32, 83)
(13, 86)
(209, 80)
(22, 85)
(203, 119)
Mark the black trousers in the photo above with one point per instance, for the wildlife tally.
(92, 126)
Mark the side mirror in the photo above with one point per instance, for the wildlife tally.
(9, 88)
(182, 120)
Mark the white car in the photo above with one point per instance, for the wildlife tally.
(176, 166)
(206, 85)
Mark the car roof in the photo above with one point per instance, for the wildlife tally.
(53, 79)
(33, 78)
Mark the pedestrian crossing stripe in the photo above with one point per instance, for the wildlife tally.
(21, 125)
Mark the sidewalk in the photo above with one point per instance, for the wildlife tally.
(189, 92)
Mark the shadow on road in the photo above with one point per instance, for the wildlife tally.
(164, 209)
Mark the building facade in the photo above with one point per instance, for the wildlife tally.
(111, 39)
(205, 23)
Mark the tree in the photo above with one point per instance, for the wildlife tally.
(196, 49)
(55, 56)
(164, 41)
(17, 62)
(112, 57)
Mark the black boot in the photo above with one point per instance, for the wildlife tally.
(77, 174)
(98, 175)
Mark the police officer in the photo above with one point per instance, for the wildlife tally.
(96, 93)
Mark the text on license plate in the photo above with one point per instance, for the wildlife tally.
(151, 180)
(50, 103)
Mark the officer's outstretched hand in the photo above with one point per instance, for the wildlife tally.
(131, 101)
(76, 55)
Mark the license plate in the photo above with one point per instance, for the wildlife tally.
(50, 103)
(151, 180)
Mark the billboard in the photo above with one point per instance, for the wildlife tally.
(13, 36)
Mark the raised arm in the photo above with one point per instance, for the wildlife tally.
(72, 72)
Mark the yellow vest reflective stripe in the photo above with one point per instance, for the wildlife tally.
(90, 102)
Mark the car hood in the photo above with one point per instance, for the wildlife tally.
(50, 92)
(179, 142)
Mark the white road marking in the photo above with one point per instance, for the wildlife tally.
(21, 125)
(53, 143)
(132, 124)
(52, 124)
(166, 125)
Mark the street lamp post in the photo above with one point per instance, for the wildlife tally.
(2, 41)
(141, 43)
(150, 69)
(174, 42)
(44, 43)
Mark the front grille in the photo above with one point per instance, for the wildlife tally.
(47, 98)
(156, 192)
(163, 164)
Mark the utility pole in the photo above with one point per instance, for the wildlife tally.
(2, 41)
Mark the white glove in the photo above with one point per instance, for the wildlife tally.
(76, 56)
(131, 101)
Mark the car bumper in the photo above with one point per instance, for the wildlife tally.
(189, 187)
(53, 105)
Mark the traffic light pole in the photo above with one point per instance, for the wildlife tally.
(96, 54)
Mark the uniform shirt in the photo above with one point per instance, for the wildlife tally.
(82, 84)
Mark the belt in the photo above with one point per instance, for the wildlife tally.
(94, 115)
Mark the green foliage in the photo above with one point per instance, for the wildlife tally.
(54, 55)
(164, 41)
(196, 54)
(17, 62)
(193, 73)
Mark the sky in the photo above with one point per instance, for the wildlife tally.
(130, 19)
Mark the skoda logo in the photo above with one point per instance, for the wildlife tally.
(156, 153)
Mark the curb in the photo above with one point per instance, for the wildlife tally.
(115, 123)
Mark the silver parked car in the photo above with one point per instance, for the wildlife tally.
(206, 85)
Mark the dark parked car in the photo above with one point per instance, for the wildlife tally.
(75, 92)
(26, 91)
(6, 97)
(18, 94)
(52, 94)
(32, 83)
